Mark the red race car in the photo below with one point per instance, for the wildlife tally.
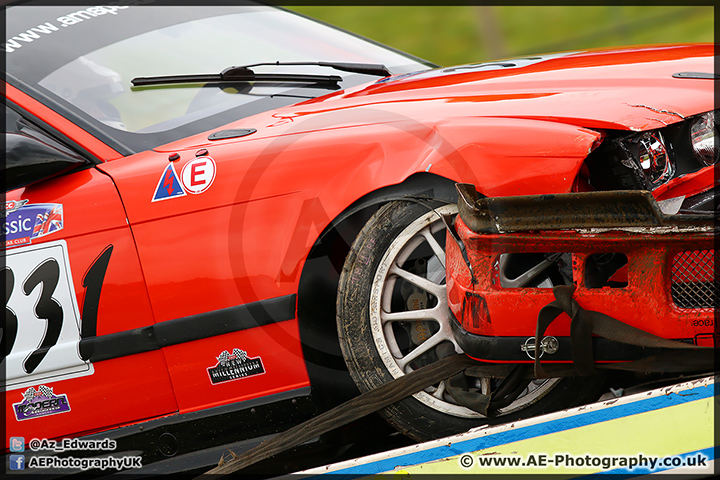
(209, 208)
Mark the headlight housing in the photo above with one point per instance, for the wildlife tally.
(704, 139)
(654, 159)
(649, 159)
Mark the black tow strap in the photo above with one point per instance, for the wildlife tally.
(585, 323)
(680, 357)
(349, 411)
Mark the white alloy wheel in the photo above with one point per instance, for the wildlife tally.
(393, 318)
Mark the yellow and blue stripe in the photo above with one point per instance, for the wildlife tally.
(672, 422)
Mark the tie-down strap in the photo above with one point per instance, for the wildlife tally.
(349, 411)
(586, 323)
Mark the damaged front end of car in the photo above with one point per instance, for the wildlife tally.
(612, 252)
(618, 271)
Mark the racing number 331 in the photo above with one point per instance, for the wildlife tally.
(42, 326)
(47, 308)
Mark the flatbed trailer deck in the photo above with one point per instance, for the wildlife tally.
(668, 430)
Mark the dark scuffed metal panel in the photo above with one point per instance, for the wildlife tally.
(571, 211)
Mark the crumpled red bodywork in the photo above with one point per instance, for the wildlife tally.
(667, 286)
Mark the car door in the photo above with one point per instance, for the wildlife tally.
(75, 299)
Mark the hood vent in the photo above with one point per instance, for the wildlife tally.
(235, 133)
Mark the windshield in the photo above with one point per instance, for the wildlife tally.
(82, 59)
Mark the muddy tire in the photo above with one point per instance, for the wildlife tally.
(392, 318)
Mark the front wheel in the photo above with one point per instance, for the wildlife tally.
(393, 318)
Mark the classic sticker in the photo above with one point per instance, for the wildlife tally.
(12, 205)
(40, 403)
(235, 365)
(23, 222)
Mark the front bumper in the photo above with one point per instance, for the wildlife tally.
(666, 286)
(515, 349)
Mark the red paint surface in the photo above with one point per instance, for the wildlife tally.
(644, 303)
(245, 238)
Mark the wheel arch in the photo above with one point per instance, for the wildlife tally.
(317, 289)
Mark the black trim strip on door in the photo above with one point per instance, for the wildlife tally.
(188, 329)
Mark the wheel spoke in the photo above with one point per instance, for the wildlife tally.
(424, 347)
(417, 280)
(422, 314)
(523, 279)
(432, 241)
(485, 386)
(440, 391)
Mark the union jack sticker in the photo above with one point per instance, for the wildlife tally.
(25, 222)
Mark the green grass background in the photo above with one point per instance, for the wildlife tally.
(451, 35)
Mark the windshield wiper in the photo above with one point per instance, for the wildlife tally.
(364, 68)
(244, 74)
(236, 75)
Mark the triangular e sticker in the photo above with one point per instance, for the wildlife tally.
(168, 186)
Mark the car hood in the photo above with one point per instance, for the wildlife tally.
(634, 88)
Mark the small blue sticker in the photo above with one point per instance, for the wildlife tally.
(168, 186)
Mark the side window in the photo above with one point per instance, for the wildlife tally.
(16, 123)
(31, 155)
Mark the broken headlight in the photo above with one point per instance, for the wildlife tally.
(704, 138)
(646, 160)
(654, 159)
